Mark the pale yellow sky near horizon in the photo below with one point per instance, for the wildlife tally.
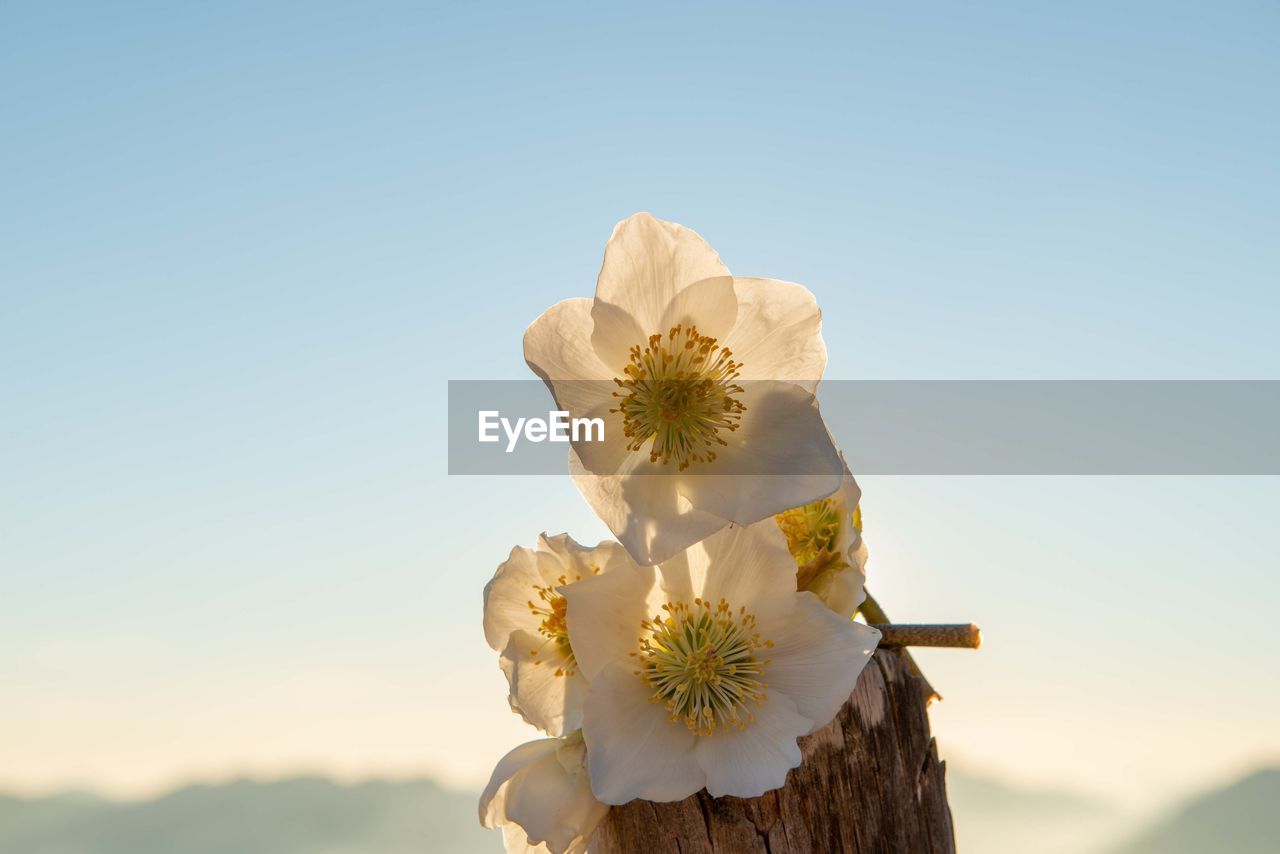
(1104, 703)
(460, 753)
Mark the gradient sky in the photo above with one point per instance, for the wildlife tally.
(243, 247)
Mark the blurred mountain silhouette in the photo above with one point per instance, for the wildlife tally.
(1243, 818)
(996, 818)
(297, 816)
(319, 816)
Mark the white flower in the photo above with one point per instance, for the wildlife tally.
(541, 798)
(825, 538)
(698, 375)
(704, 671)
(524, 621)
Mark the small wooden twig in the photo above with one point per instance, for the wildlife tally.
(873, 613)
(955, 635)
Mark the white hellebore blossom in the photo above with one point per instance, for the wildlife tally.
(524, 620)
(704, 671)
(825, 538)
(703, 377)
(540, 796)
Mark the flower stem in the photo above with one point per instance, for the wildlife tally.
(873, 613)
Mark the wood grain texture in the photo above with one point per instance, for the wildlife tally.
(870, 783)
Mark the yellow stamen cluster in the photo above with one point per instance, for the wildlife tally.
(551, 608)
(701, 662)
(679, 392)
(812, 532)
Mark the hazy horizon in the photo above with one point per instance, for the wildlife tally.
(966, 772)
(317, 814)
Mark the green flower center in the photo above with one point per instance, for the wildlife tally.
(701, 662)
(811, 530)
(677, 394)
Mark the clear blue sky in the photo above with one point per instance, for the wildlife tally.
(243, 247)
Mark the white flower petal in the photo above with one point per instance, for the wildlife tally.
(557, 346)
(604, 614)
(549, 702)
(613, 333)
(778, 334)
(747, 763)
(816, 658)
(682, 576)
(846, 589)
(610, 456)
(533, 644)
(633, 748)
(858, 558)
(493, 799)
(540, 795)
(711, 305)
(585, 812)
(781, 457)
(850, 539)
(506, 597)
(842, 589)
(576, 561)
(516, 841)
(849, 489)
(747, 566)
(549, 804)
(644, 510)
(648, 261)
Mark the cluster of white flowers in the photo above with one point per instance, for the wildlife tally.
(718, 630)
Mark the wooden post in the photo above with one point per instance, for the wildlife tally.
(870, 783)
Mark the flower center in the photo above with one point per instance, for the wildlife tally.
(550, 608)
(701, 662)
(811, 530)
(679, 392)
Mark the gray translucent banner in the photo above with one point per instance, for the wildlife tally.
(1071, 427)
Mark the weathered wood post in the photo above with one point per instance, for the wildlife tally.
(870, 783)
